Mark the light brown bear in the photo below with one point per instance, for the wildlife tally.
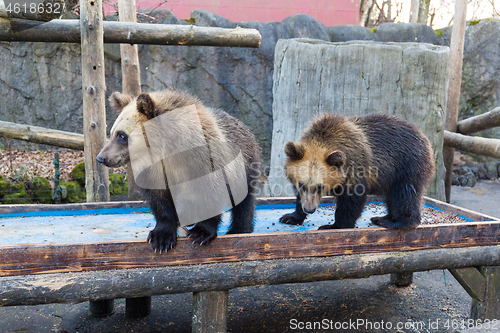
(215, 126)
(351, 157)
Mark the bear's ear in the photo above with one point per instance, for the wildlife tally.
(294, 151)
(118, 101)
(146, 106)
(336, 159)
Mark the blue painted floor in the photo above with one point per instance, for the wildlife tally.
(125, 224)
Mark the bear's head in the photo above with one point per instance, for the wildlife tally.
(133, 112)
(314, 171)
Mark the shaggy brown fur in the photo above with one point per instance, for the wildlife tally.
(353, 156)
(217, 126)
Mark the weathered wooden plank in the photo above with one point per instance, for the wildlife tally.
(78, 257)
(455, 79)
(471, 280)
(68, 31)
(481, 122)
(473, 144)
(490, 307)
(41, 135)
(110, 284)
(209, 312)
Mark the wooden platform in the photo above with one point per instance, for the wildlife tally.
(74, 253)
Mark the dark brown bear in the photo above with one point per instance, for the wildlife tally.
(351, 157)
(218, 131)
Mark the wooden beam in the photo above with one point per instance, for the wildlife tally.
(94, 103)
(490, 307)
(471, 280)
(121, 283)
(481, 122)
(210, 312)
(80, 257)
(41, 135)
(456, 58)
(45, 10)
(68, 31)
(472, 144)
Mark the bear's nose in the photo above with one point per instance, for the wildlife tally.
(309, 210)
(99, 159)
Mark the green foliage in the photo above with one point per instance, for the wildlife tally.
(74, 190)
(474, 22)
(438, 32)
(42, 192)
(78, 173)
(16, 194)
(374, 30)
(117, 185)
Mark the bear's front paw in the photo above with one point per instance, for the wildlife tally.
(162, 239)
(293, 218)
(200, 236)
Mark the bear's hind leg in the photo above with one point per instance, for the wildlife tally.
(403, 203)
(242, 216)
(205, 232)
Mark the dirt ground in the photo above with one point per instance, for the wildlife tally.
(435, 302)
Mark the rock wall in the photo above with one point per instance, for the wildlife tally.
(40, 83)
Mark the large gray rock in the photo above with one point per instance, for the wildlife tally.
(344, 33)
(408, 80)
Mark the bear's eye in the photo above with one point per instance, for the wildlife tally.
(121, 137)
(301, 186)
(319, 189)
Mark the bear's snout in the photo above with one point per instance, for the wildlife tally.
(309, 210)
(100, 159)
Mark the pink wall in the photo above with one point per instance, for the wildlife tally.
(328, 12)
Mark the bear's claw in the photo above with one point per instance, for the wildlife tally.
(291, 218)
(200, 236)
(162, 240)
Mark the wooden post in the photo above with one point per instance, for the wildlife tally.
(456, 57)
(490, 307)
(210, 311)
(94, 89)
(94, 115)
(403, 279)
(131, 77)
(131, 85)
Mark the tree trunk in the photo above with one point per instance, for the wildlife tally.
(423, 11)
(357, 78)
